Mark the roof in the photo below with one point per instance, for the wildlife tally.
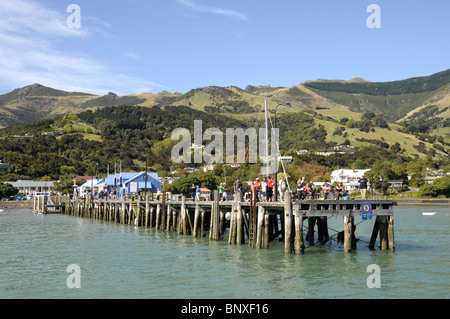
(349, 172)
(86, 178)
(30, 184)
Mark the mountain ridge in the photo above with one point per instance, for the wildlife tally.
(395, 100)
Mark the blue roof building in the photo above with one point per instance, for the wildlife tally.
(126, 183)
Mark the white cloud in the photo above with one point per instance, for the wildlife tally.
(28, 54)
(27, 17)
(133, 55)
(202, 8)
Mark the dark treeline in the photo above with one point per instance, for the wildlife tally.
(412, 85)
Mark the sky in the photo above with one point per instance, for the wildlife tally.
(139, 46)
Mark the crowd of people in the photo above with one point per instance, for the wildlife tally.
(265, 190)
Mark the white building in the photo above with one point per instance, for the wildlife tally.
(32, 187)
(348, 177)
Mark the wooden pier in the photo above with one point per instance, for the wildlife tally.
(253, 223)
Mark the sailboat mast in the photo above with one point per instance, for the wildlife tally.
(267, 137)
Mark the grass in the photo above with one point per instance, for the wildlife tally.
(392, 136)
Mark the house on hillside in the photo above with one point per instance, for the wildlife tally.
(6, 166)
(348, 177)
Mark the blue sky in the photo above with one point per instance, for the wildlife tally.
(136, 46)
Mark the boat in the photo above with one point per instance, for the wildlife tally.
(428, 213)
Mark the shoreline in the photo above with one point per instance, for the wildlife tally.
(17, 204)
(399, 202)
(422, 202)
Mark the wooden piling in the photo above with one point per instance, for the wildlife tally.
(260, 227)
(196, 218)
(390, 233)
(299, 244)
(147, 212)
(214, 231)
(347, 233)
(158, 216)
(239, 228)
(202, 223)
(383, 233)
(288, 238)
(222, 224)
(266, 230)
(163, 211)
(232, 234)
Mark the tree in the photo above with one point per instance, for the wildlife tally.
(439, 187)
(7, 190)
(184, 184)
(64, 185)
(396, 147)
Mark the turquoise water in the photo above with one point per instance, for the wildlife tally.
(121, 261)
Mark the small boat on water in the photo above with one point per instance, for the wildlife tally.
(428, 213)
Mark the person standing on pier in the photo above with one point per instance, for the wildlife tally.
(282, 188)
(258, 189)
(225, 195)
(264, 189)
(220, 188)
(193, 189)
(338, 191)
(197, 191)
(363, 186)
(237, 186)
(270, 186)
(326, 190)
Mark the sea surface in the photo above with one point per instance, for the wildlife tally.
(38, 253)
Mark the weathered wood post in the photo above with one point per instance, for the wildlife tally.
(383, 233)
(260, 227)
(158, 216)
(183, 224)
(375, 231)
(266, 229)
(202, 223)
(233, 221)
(152, 213)
(174, 219)
(147, 211)
(239, 227)
(288, 239)
(169, 217)
(163, 211)
(299, 244)
(214, 231)
(131, 213)
(222, 224)
(196, 217)
(348, 228)
(390, 233)
(122, 212)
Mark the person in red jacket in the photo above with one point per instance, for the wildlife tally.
(258, 189)
(270, 185)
